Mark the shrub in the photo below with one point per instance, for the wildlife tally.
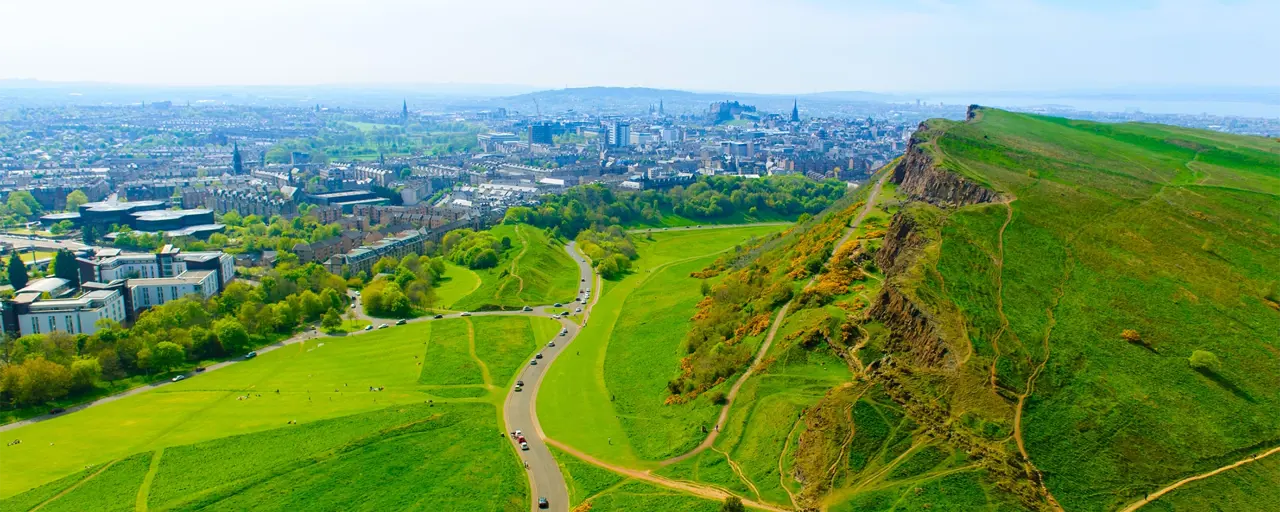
(1203, 360)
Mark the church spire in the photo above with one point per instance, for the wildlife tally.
(795, 111)
(404, 110)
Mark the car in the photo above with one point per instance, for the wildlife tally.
(533, 362)
(578, 310)
(519, 383)
(251, 355)
(519, 433)
(401, 321)
(555, 316)
(368, 327)
(539, 356)
(527, 308)
(583, 280)
(551, 343)
(465, 313)
(437, 317)
(543, 503)
(524, 446)
(519, 387)
(556, 305)
(178, 378)
(199, 369)
(564, 332)
(57, 410)
(521, 439)
(383, 326)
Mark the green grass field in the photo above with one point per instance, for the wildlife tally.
(611, 491)
(534, 271)
(225, 439)
(1167, 231)
(620, 365)
(458, 282)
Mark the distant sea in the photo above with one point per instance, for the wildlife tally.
(1222, 108)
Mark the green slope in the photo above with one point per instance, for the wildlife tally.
(1166, 231)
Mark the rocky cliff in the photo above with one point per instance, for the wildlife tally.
(922, 179)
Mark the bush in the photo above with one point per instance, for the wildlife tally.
(717, 398)
(1203, 360)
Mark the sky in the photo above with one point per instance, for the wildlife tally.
(762, 46)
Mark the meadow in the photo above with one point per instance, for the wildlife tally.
(534, 271)
(296, 419)
(606, 490)
(458, 282)
(622, 359)
(1165, 231)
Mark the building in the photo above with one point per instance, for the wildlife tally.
(111, 265)
(146, 293)
(618, 134)
(361, 259)
(541, 133)
(493, 141)
(28, 314)
(349, 199)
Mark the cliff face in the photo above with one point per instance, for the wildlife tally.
(918, 176)
(917, 333)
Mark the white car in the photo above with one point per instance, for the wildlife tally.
(579, 310)
(178, 378)
(465, 313)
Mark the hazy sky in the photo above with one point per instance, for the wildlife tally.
(739, 45)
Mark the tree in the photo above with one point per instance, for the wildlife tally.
(65, 266)
(17, 272)
(332, 320)
(85, 371)
(506, 243)
(34, 381)
(167, 355)
(487, 258)
(231, 335)
(75, 199)
(1204, 360)
(88, 234)
(733, 504)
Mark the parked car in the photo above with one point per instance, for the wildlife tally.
(543, 503)
(437, 317)
(401, 321)
(539, 356)
(465, 313)
(564, 332)
(579, 310)
(524, 446)
(178, 378)
(519, 383)
(556, 305)
(551, 343)
(368, 327)
(199, 369)
(533, 362)
(527, 308)
(251, 355)
(521, 439)
(57, 410)
(382, 326)
(519, 387)
(353, 305)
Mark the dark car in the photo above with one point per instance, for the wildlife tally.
(57, 410)
(199, 369)
(542, 503)
(437, 317)
(539, 356)
(520, 383)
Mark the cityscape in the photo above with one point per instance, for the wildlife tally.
(583, 257)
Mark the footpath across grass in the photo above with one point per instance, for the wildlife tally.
(579, 405)
(536, 270)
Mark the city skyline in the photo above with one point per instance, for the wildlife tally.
(750, 46)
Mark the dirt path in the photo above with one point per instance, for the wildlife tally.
(515, 263)
(1153, 496)
(471, 349)
(75, 486)
(702, 491)
(1004, 320)
(768, 340)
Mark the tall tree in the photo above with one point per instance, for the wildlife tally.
(88, 234)
(75, 199)
(237, 163)
(17, 272)
(65, 267)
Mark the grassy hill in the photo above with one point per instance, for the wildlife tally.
(1096, 230)
(535, 270)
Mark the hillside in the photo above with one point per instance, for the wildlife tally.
(1072, 269)
(1037, 313)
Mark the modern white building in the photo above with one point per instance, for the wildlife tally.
(147, 293)
(79, 315)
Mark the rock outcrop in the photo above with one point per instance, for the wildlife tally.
(922, 179)
(916, 335)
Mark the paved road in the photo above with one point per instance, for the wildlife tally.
(22, 241)
(520, 412)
